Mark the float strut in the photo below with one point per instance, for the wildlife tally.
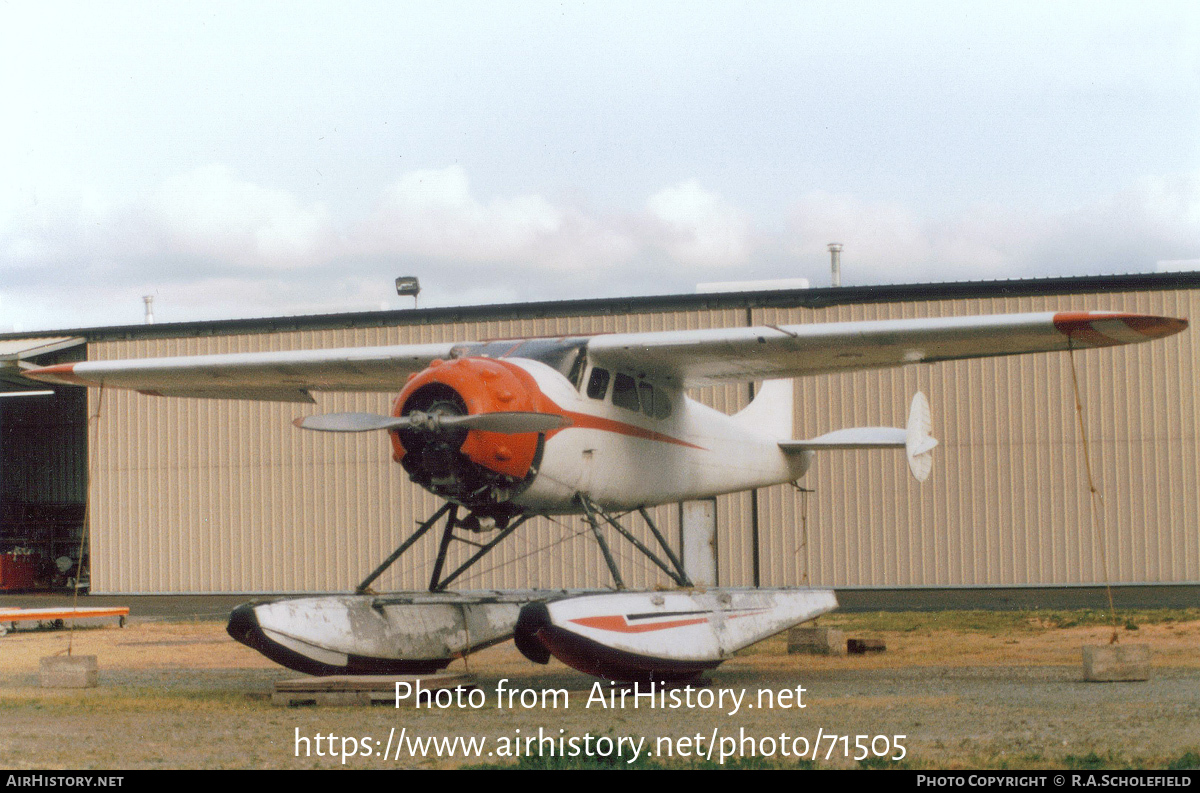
(404, 546)
(686, 581)
(608, 558)
(678, 578)
(438, 586)
(447, 536)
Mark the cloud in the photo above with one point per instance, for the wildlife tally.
(211, 213)
(698, 227)
(433, 213)
(886, 242)
(210, 243)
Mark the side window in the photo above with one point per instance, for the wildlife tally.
(625, 393)
(646, 392)
(662, 404)
(598, 383)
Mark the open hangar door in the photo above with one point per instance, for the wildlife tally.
(43, 468)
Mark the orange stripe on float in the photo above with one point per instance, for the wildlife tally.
(618, 624)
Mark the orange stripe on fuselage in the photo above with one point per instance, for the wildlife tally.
(589, 422)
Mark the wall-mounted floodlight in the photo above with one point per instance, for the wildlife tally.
(408, 286)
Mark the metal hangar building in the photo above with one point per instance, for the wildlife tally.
(216, 496)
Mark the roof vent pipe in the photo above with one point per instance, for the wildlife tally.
(149, 301)
(835, 262)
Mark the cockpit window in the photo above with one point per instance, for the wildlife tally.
(576, 375)
(598, 383)
(625, 393)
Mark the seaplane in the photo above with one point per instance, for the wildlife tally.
(599, 426)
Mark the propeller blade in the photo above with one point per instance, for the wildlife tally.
(512, 423)
(350, 422)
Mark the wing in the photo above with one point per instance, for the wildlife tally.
(691, 357)
(276, 376)
(698, 357)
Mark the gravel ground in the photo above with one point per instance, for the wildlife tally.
(184, 695)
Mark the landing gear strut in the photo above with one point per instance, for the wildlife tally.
(436, 582)
(592, 513)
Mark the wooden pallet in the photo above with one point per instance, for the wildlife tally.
(361, 689)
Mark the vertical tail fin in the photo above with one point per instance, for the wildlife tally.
(772, 410)
(918, 443)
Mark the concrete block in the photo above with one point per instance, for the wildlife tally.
(816, 641)
(68, 671)
(1106, 663)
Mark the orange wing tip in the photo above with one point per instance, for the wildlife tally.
(1101, 329)
(59, 373)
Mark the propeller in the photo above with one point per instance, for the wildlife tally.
(508, 423)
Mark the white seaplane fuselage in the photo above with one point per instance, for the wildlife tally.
(635, 460)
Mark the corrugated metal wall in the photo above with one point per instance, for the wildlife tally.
(213, 496)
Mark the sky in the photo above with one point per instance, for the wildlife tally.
(256, 159)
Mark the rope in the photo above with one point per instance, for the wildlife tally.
(94, 424)
(1099, 528)
(803, 545)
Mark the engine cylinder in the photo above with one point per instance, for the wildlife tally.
(470, 466)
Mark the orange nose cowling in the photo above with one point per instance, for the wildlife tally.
(486, 385)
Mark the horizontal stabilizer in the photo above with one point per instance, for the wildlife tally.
(915, 439)
(853, 438)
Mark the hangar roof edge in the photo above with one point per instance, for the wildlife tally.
(790, 298)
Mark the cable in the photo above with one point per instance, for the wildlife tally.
(87, 507)
(1101, 533)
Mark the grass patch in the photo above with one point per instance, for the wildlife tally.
(995, 622)
(877, 763)
(1094, 762)
(1188, 761)
(644, 764)
(67, 702)
(1109, 761)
